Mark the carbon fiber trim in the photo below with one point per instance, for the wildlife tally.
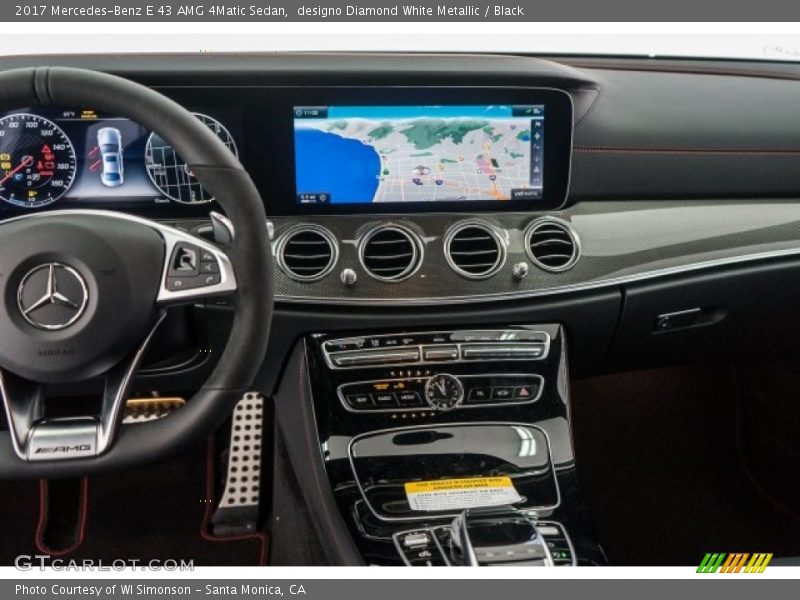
(620, 241)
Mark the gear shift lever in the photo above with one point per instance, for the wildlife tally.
(497, 536)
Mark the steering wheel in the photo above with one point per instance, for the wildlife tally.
(82, 293)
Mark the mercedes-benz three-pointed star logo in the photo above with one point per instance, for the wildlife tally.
(52, 296)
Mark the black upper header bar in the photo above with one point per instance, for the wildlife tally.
(389, 11)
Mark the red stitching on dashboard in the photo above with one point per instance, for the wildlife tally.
(682, 151)
(679, 69)
(204, 528)
(40, 527)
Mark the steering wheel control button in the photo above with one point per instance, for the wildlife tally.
(185, 261)
(209, 267)
(444, 391)
(52, 296)
(192, 267)
(175, 284)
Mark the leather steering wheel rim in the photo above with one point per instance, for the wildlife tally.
(219, 171)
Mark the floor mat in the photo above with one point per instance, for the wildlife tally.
(157, 513)
(658, 459)
(20, 502)
(153, 513)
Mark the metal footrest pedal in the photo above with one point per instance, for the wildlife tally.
(238, 509)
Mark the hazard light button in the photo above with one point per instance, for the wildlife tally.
(526, 392)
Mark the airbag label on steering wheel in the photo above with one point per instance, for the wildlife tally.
(459, 494)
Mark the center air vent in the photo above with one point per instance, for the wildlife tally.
(552, 244)
(389, 253)
(307, 253)
(474, 250)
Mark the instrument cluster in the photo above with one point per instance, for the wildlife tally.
(68, 158)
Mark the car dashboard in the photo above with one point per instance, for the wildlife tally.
(455, 239)
(387, 185)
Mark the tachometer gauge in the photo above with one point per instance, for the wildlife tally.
(37, 161)
(169, 172)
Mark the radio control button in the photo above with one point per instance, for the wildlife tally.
(409, 399)
(384, 399)
(360, 401)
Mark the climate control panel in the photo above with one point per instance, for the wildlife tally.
(379, 379)
(440, 391)
(429, 348)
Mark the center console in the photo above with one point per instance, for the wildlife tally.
(451, 447)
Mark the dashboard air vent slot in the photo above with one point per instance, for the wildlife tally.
(307, 253)
(389, 253)
(474, 250)
(552, 245)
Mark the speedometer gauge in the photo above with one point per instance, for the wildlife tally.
(37, 161)
(170, 173)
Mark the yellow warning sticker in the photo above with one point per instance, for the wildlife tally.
(459, 494)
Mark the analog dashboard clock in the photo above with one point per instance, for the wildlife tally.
(444, 391)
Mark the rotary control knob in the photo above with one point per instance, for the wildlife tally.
(444, 391)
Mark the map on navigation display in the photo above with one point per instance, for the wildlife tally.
(366, 154)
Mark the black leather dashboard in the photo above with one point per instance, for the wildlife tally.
(658, 134)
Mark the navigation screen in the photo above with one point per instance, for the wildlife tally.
(366, 154)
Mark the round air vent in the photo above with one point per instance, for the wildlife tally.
(552, 244)
(474, 250)
(307, 253)
(389, 253)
